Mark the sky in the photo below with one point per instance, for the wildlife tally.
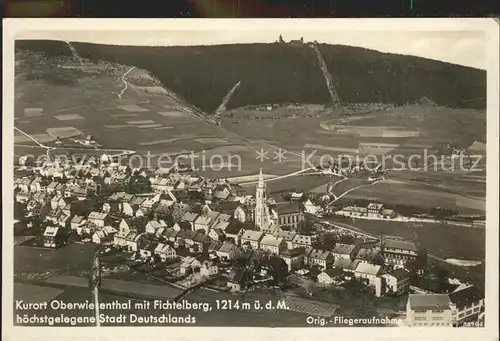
(464, 47)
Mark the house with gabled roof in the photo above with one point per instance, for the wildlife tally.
(190, 217)
(294, 258)
(368, 272)
(287, 237)
(54, 202)
(344, 251)
(203, 222)
(101, 237)
(346, 265)
(54, 237)
(182, 225)
(235, 230)
(51, 188)
(111, 207)
(221, 225)
(132, 241)
(202, 241)
(146, 247)
(330, 276)
(301, 240)
(169, 234)
(370, 256)
(186, 236)
(272, 244)
(238, 278)
(270, 229)
(119, 239)
(222, 192)
(228, 251)
(99, 219)
(321, 258)
(23, 197)
(64, 201)
(217, 233)
(154, 225)
(252, 238)
(165, 251)
(77, 222)
(397, 281)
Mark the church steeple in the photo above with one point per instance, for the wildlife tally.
(261, 180)
(262, 216)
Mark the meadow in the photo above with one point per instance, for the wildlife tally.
(414, 194)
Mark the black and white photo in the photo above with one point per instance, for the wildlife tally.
(273, 173)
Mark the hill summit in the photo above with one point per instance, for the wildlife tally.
(288, 73)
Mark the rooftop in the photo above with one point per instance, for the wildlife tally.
(287, 235)
(271, 240)
(252, 235)
(287, 208)
(188, 216)
(51, 231)
(426, 302)
(465, 296)
(343, 249)
(399, 274)
(399, 244)
(368, 269)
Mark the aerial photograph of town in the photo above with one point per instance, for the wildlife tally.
(285, 181)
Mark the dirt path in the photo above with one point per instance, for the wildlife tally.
(125, 83)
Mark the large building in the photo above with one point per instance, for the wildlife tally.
(433, 310)
(397, 252)
(467, 303)
(289, 214)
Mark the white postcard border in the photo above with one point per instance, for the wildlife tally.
(11, 29)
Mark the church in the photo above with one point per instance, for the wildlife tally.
(270, 218)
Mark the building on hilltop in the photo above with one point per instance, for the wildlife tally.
(292, 42)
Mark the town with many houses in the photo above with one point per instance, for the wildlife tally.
(200, 229)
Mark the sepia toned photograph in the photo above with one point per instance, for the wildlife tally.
(261, 176)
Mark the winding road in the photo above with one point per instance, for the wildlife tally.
(125, 83)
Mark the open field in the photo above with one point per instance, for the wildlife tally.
(118, 286)
(35, 293)
(461, 183)
(74, 281)
(411, 130)
(311, 307)
(419, 122)
(445, 241)
(350, 183)
(69, 117)
(391, 192)
(33, 112)
(35, 263)
(299, 183)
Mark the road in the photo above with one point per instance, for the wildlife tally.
(125, 82)
(343, 226)
(120, 152)
(37, 142)
(276, 178)
(352, 189)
